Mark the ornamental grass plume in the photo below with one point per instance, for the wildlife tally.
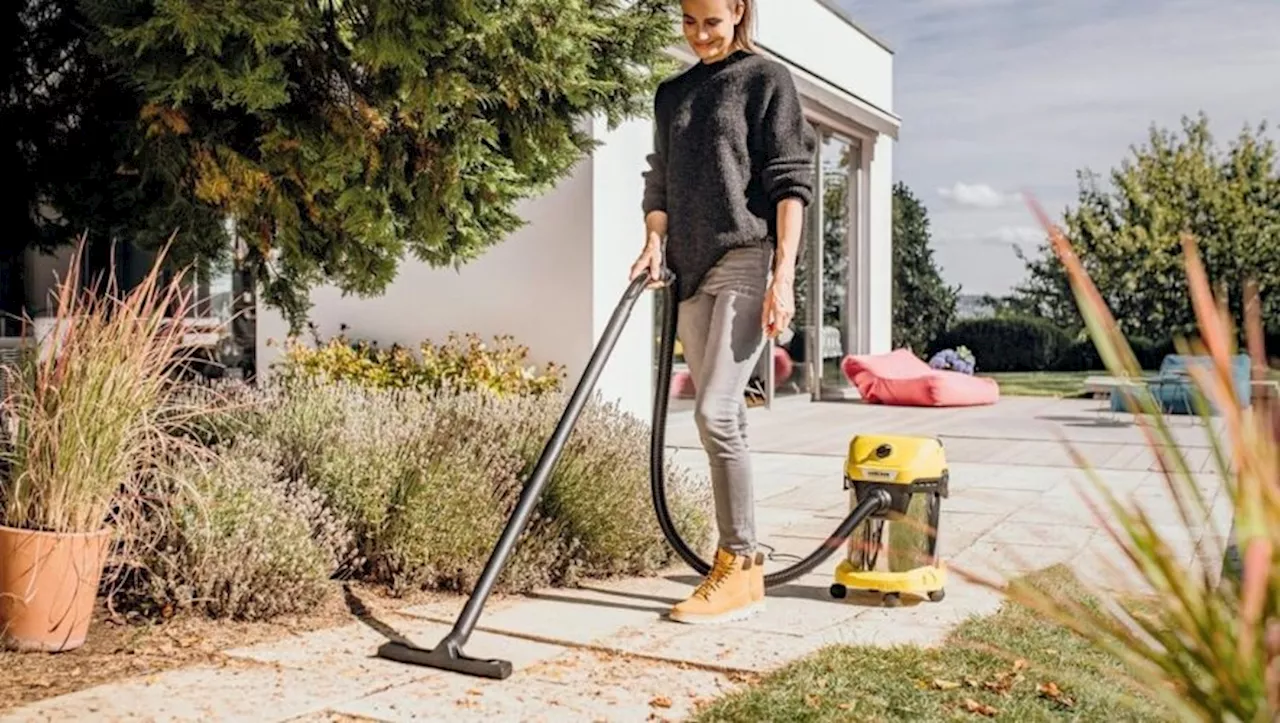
(1208, 650)
(90, 409)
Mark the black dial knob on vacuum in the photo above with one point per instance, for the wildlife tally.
(883, 451)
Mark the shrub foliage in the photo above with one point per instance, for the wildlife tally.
(236, 540)
(463, 362)
(427, 482)
(339, 137)
(1007, 344)
(398, 486)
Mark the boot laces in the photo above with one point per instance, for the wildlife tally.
(719, 572)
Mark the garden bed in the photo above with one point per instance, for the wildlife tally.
(250, 506)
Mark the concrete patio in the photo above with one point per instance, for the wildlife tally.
(604, 652)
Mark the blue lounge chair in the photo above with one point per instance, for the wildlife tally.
(1174, 389)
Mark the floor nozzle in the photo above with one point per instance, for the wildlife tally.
(445, 657)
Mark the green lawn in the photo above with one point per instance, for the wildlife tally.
(1053, 384)
(1011, 666)
(1041, 384)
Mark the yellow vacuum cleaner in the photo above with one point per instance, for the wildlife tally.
(904, 557)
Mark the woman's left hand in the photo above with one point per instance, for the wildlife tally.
(779, 306)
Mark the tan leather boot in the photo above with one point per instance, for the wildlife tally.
(727, 594)
(757, 578)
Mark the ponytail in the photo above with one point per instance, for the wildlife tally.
(742, 33)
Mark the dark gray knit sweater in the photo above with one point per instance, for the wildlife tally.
(730, 142)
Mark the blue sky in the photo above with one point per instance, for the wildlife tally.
(1001, 95)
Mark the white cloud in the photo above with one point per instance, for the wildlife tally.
(1025, 236)
(1019, 235)
(979, 195)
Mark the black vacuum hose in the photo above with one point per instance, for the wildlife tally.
(876, 501)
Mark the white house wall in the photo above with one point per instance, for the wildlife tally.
(808, 34)
(618, 228)
(531, 286)
(880, 246)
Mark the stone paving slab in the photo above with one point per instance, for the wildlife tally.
(797, 426)
(349, 651)
(206, 693)
(578, 686)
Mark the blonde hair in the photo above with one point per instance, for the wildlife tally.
(742, 32)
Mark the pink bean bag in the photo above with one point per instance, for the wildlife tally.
(783, 368)
(682, 385)
(899, 378)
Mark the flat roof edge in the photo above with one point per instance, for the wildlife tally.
(877, 118)
(833, 8)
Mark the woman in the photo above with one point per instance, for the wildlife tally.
(730, 175)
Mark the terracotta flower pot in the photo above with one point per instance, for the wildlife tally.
(48, 587)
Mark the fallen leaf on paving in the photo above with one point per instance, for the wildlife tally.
(945, 684)
(845, 706)
(661, 701)
(475, 691)
(974, 706)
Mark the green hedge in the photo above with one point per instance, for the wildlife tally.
(1083, 356)
(1007, 344)
(1031, 344)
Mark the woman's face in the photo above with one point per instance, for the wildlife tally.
(709, 24)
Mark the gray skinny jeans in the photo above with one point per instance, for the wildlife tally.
(721, 333)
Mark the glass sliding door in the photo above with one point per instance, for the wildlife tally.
(833, 301)
(802, 345)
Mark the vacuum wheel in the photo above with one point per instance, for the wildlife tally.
(892, 600)
(937, 595)
(838, 591)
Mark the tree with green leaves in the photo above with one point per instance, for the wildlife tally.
(1128, 236)
(334, 137)
(923, 305)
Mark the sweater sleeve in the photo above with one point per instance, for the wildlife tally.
(787, 142)
(655, 179)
